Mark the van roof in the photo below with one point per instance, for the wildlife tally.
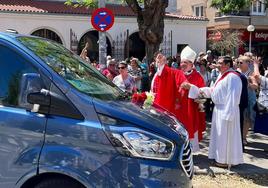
(11, 34)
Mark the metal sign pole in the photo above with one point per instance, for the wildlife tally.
(250, 41)
(102, 43)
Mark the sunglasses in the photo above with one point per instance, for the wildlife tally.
(121, 67)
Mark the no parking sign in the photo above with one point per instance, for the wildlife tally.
(102, 19)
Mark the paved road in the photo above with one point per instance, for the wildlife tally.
(255, 157)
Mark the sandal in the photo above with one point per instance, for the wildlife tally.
(221, 165)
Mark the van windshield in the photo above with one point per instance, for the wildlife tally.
(84, 77)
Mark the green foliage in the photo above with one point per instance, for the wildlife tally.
(82, 3)
(93, 3)
(228, 6)
(228, 40)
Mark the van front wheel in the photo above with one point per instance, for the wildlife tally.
(58, 183)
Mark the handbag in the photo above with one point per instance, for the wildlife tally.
(260, 108)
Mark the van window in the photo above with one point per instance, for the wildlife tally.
(12, 68)
(71, 67)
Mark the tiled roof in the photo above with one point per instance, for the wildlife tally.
(185, 17)
(34, 6)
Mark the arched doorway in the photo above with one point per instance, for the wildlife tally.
(46, 33)
(92, 38)
(136, 46)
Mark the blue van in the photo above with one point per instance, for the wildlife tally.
(64, 125)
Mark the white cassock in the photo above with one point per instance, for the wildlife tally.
(225, 140)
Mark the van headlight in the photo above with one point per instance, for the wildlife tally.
(135, 142)
(180, 128)
(182, 131)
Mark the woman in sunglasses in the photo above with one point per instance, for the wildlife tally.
(124, 81)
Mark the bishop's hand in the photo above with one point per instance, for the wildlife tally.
(160, 60)
(186, 85)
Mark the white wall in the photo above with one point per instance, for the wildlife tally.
(188, 32)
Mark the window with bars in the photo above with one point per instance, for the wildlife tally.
(46, 33)
(258, 7)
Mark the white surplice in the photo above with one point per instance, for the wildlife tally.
(225, 139)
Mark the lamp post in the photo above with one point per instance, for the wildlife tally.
(250, 29)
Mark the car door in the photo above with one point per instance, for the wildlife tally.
(21, 131)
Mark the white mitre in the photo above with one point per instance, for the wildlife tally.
(188, 54)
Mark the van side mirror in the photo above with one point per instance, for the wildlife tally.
(30, 95)
(40, 100)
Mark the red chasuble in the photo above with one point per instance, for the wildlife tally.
(172, 98)
(166, 88)
(187, 110)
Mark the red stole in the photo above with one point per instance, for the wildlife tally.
(224, 75)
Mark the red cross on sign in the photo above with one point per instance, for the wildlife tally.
(102, 19)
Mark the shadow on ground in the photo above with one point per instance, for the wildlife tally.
(255, 160)
(258, 179)
(256, 174)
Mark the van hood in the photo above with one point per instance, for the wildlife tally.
(153, 119)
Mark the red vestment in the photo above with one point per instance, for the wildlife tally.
(172, 98)
(188, 112)
(165, 88)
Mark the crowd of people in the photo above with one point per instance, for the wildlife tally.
(235, 89)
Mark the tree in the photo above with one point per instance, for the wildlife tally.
(151, 23)
(150, 18)
(224, 41)
(230, 6)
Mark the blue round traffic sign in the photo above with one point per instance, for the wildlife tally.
(102, 19)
